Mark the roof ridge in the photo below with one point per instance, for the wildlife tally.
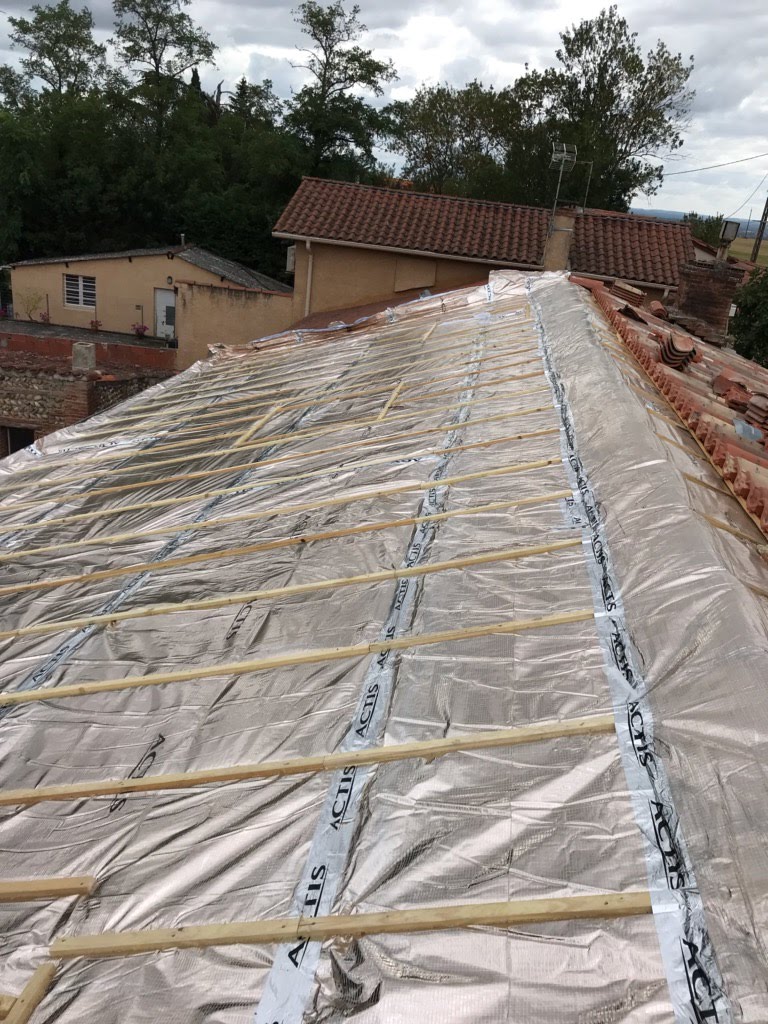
(390, 190)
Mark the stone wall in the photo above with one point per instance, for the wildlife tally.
(45, 400)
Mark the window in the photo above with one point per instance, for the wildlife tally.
(79, 290)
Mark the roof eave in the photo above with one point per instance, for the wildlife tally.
(92, 258)
(408, 252)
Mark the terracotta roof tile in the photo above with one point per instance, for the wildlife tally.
(717, 394)
(630, 247)
(604, 243)
(391, 218)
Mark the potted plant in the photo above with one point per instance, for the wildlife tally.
(140, 330)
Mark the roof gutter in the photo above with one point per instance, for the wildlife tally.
(308, 239)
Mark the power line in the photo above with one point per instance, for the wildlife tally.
(748, 198)
(709, 167)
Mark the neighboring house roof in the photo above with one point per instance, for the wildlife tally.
(698, 243)
(230, 270)
(193, 254)
(630, 247)
(385, 218)
(605, 243)
(746, 265)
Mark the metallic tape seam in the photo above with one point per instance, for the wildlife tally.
(695, 983)
(292, 976)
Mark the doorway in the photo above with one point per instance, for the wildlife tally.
(13, 439)
(165, 313)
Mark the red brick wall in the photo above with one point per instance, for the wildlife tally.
(706, 292)
(108, 354)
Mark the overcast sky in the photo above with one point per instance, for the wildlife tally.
(492, 40)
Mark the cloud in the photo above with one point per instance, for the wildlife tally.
(453, 41)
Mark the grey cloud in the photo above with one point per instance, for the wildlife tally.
(283, 77)
(465, 69)
(726, 38)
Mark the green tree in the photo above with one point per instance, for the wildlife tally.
(619, 108)
(159, 42)
(750, 324)
(328, 113)
(15, 89)
(452, 139)
(158, 39)
(706, 229)
(61, 50)
(255, 104)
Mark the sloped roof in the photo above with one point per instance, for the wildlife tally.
(120, 255)
(453, 522)
(231, 271)
(417, 221)
(720, 397)
(193, 254)
(630, 247)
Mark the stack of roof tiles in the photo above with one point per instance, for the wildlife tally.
(677, 350)
(734, 391)
(627, 292)
(757, 411)
(722, 398)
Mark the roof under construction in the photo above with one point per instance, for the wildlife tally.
(400, 671)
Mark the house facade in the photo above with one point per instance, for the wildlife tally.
(221, 301)
(358, 244)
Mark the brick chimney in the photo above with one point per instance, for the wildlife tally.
(558, 247)
(705, 293)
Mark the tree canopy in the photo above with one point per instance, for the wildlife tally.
(750, 324)
(706, 229)
(328, 113)
(99, 153)
(60, 48)
(619, 109)
(158, 39)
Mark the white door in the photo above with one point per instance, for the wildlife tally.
(165, 313)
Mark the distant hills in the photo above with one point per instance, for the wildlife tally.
(679, 214)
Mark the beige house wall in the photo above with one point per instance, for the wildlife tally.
(215, 314)
(350, 276)
(228, 313)
(121, 286)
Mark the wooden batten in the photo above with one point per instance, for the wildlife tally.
(511, 914)
(23, 1006)
(427, 750)
(268, 545)
(308, 657)
(292, 590)
(27, 890)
